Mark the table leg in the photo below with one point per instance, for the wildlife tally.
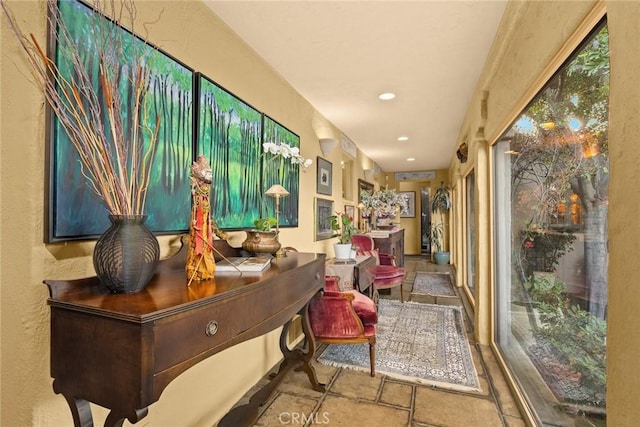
(117, 420)
(80, 411)
(307, 356)
(247, 414)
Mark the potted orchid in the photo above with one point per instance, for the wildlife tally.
(285, 152)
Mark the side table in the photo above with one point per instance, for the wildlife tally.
(359, 275)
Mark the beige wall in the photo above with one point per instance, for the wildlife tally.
(528, 40)
(194, 35)
(532, 41)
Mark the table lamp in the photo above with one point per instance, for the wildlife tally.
(277, 191)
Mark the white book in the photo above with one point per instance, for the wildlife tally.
(243, 264)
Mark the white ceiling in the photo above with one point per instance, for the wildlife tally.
(341, 54)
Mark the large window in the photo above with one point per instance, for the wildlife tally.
(551, 206)
(470, 273)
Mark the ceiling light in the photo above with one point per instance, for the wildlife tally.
(411, 159)
(387, 96)
(403, 138)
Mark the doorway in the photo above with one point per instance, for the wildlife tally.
(425, 220)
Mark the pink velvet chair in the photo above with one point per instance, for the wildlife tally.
(388, 275)
(347, 317)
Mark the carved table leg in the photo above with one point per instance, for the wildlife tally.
(247, 414)
(80, 411)
(116, 420)
(307, 356)
(80, 408)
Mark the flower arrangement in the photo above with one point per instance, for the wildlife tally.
(285, 151)
(383, 203)
(342, 224)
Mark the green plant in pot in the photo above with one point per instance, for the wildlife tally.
(342, 225)
(265, 224)
(441, 204)
(263, 239)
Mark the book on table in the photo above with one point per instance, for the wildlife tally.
(243, 264)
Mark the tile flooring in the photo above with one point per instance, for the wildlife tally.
(354, 399)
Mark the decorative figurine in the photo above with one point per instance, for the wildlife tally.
(201, 264)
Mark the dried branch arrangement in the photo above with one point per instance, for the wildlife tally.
(106, 119)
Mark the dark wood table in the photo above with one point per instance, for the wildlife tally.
(120, 351)
(392, 245)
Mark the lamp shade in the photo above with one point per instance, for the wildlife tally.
(327, 145)
(277, 190)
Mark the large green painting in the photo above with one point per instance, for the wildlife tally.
(229, 134)
(75, 212)
(281, 171)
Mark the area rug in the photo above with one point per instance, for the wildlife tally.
(422, 343)
(437, 284)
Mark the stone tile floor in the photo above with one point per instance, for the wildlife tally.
(353, 398)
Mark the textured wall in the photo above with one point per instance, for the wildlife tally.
(193, 34)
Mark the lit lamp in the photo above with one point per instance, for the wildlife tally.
(277, 191)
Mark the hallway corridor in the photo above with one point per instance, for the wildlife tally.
(355, 399)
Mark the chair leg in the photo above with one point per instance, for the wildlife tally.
(401, 294)
(372, 358)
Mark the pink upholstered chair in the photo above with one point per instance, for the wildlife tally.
(347, 317)
(388, 275)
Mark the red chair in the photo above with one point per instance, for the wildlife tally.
(388, 275)
(347, 317)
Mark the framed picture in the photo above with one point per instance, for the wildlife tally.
(364, 186)
(411, 204)
(363, 222)
(350, 210)
(324, 181)
(73, 210)
(323, 210)
(281, 171)
(235, 155)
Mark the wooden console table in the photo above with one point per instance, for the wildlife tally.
(392, 245)
(120, 351)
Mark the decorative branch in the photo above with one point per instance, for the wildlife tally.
(116, 162)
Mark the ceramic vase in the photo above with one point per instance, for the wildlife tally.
(126, 255)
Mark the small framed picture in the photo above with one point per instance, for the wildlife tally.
(350, 210)
(324, 183)
(411, 204)
(323, 210)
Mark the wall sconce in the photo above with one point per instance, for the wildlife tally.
(277, 191)
(368, 173)
(327, 145)
(462, 152)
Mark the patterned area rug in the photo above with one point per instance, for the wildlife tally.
(438, 284)
(423, 343)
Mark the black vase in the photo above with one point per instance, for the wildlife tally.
(126, 255)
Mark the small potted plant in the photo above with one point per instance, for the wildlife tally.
(342, 224)
(263, 238)
(440, 203)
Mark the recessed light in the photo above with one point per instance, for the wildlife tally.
(411, 159)
(403, 138)
(387, 96)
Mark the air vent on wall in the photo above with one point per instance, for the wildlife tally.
(403, 176)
